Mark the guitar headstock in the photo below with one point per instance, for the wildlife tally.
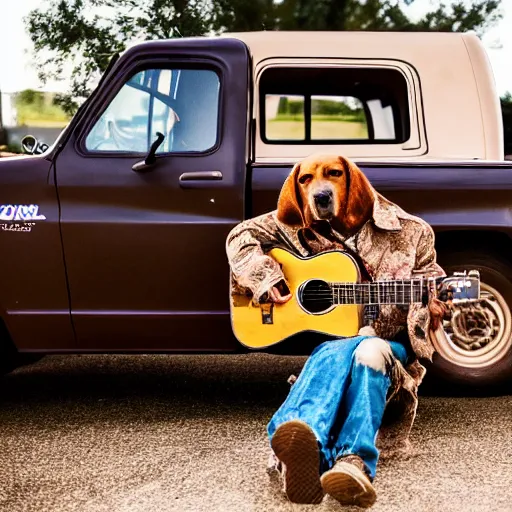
(460, 286)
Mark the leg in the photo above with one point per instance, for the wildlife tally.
(299, 431)
(362, 414)
(316, 395)
(366, 399)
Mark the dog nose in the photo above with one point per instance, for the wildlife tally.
(323, 199)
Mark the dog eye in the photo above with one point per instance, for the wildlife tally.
(335, 172)
(304, 178)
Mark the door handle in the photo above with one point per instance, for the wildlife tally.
(201, 176)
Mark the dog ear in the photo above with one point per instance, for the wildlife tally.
(360, 197)
(289, 204)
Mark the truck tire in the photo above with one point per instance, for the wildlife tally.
(490, 364)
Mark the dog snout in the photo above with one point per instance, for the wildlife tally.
(323, 198)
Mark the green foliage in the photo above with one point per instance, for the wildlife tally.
(29, 97)
(329, 107)
(295, 108)
(38, 109)
(321, 110)
(384, 15)
(283, 108)
(12, 147)
(87, 33)
(84, 34)
(506, 110)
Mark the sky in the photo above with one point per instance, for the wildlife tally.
(17, 73)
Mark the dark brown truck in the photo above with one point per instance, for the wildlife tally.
(114, 238)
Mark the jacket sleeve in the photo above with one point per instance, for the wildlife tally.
(418, 318)
(426, 256)
(246, 248)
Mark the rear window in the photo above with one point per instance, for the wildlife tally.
(326, 105)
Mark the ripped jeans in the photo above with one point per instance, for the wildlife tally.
(341, 394)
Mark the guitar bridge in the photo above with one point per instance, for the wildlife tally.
(267, 313)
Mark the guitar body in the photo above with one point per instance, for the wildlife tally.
(261, 326)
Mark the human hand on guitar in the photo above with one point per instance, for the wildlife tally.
(438, 310)
(279, 294)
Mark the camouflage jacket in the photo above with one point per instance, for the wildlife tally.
(391, 245)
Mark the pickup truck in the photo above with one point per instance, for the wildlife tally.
(114, 237)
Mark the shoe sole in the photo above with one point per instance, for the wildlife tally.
(349, 486)
(295, 445)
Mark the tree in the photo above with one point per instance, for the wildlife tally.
(86, 33)
(29, 96)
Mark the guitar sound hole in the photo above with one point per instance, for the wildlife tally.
(315, 296)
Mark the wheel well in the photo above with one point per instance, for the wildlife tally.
(493, 242)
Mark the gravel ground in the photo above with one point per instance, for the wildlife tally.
(179, 433)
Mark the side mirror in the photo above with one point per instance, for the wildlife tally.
(29, 144)
(42, 148)
(32, 146)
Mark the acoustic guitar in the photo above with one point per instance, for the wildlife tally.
(328, 298)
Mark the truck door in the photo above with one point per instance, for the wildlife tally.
(145, 248)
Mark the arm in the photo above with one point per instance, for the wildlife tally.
(427, 266)
(246, 248)
(426, 256)
(421, 319)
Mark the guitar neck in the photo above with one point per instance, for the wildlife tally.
(403, 291)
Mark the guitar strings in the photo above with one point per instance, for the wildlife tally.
(350, 296)
(403, 292)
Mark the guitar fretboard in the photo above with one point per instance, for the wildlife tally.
(404, 291)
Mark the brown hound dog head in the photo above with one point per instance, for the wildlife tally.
(326, 188)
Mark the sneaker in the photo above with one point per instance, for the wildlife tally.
(348, 482)
(296, 447)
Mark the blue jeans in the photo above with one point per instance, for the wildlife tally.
(341, 394)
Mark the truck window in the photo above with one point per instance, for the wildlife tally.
(334, 104)
(285, 117)
(183, 104)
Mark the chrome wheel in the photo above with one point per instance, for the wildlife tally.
(485, 348)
